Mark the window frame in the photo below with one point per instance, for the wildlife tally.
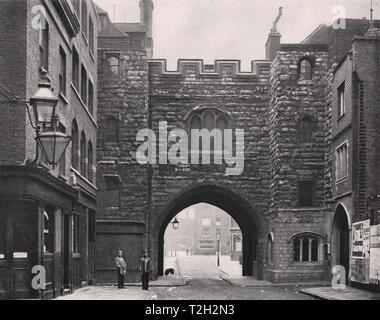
(301, 72)
(62, 71)
(75, 77)
(339, 155)
(341, 100)
(44, 34)
(298, 256)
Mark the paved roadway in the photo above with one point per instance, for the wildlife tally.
(205, 284)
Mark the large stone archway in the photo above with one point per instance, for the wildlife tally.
(229, 201)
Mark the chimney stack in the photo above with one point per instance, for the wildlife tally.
(274, 40)
(146, 18)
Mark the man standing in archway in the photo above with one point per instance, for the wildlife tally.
(145, 270)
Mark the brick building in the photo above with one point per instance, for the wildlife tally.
(47, 214)
(296, 199)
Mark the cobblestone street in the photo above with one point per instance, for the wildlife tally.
(204, 283)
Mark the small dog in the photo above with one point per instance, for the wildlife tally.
(169, 272)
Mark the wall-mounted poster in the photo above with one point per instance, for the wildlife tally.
(360, 239)
(374, 269)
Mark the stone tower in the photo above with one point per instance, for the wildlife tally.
(146, 18)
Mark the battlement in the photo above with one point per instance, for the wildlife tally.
(220, 68)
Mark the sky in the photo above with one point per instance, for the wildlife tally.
(232, 29)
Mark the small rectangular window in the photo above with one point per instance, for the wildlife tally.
(90, 97)
(75, 71)
(206, 231)
(341, 100)
(91, 35)
(341, 162)
(62, 71)
(206, 221)
(83, 88)
(306, 193)
(44, 44)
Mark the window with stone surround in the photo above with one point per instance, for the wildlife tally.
(74, 145)
(62, 71)
(44, 44)
(112, 66)
(91, 35)
(90, 165)
(341, 104)
(305, 69)
(83, 155)
(83, 87)
(306, 129)
(84, 19)
(49, 231)
(306, 248)
(90, 97)
(75, 69)
(111, 129)
(270, 248)
(341, 162)
(210, 119)
(306, 194)
(109, 195)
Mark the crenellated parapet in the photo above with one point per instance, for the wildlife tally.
(220, 68)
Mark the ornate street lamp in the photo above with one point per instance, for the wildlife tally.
(175, 224)
(52, 143)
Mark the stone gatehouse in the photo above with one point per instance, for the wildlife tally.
(283, 200)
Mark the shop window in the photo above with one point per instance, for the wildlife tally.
(49, 231)
(306, 194)
(305, 249)
(305, 70)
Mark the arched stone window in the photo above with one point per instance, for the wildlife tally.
(75, 145)
(90, 167)
(306, 129)
(305, 69)
(210, 119)
(112, 129)
(83, 155)
(306, 248)
(112, 66)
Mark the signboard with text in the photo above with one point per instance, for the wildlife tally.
(361, 239)
(375, 253)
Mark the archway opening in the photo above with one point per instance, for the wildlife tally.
(341, 239)
(232, 204)
(203, 241)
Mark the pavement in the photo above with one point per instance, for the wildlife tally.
(329, 293)
(199, 278)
